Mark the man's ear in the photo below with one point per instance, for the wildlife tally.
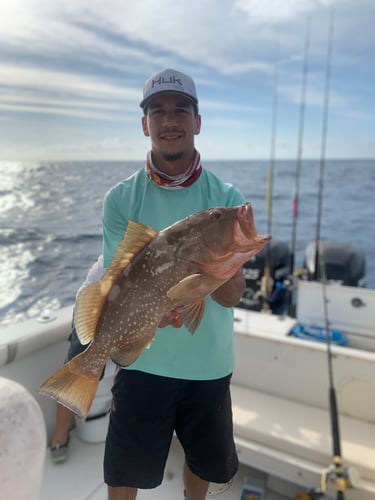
(144, 126)
(198, 123)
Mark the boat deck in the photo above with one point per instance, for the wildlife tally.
(82, 474)
(280, 407)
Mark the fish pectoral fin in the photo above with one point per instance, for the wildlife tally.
(193, 287)
(72, 386)
(126, 356)
(193, 314)
(191, 291)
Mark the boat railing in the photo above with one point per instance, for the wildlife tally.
(22, 339)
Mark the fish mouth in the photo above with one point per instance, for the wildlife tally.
(245, 229)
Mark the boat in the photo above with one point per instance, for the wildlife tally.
(280, 404)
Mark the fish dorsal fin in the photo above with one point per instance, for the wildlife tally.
(90, 301)
(136, 237)
(193, 287)
(193, 314)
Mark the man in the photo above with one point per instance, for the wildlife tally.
(181, 383)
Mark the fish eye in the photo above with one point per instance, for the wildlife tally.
(216, 214)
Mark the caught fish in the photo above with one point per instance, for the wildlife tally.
(150, 275)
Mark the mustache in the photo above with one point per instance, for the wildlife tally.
(171, 130)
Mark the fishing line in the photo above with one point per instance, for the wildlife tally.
(319, 252)
(267, 281)
(324, 141)
(273, 142)
(337, 472)
(297, 176)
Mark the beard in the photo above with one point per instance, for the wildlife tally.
(172, 156)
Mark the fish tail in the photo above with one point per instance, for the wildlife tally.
(72, 386)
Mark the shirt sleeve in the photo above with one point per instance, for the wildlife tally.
(234, 196)
(94, 274)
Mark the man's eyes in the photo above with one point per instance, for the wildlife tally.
(159, 111)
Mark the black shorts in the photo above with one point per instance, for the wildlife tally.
(75, 346)
(147, 409)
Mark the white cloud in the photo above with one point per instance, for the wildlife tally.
(62, 111)
(88, 58)
(314, 96)
(63, 82)
(275, 12)
(15, 19)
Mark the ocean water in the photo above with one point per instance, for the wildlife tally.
(50, 219)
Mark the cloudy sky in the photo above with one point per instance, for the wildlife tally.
(72, 72)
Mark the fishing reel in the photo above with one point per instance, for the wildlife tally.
(340, 476)
(336, 477)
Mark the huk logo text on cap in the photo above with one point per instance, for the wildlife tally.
(171, 79)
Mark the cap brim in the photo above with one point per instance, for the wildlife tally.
(145, 101)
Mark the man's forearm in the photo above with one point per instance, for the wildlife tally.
(229, 294)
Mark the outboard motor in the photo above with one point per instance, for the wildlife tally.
(344, 263)
(253, 272)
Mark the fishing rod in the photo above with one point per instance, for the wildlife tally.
(267, 280)
(342, 477)
(323, 143)
(299, 158)
(337, 473)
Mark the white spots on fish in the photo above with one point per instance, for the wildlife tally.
(163, 267)
(159, 252)
(94, 362)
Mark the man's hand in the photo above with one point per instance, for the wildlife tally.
(229, 294)
(173, 318)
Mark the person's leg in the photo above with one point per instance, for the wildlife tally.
(139, 433)
(64, 418)
(195, 487)
(60, 439)
(122, 493)
(205, 429)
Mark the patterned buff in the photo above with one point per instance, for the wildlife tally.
(174, 181)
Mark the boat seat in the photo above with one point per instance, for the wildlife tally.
(301, 431)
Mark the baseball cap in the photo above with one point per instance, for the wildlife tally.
(169, 80)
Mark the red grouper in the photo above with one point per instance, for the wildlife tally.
(150, 274)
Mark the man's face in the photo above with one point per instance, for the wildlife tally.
(171, 124)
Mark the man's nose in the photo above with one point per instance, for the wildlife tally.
(170, 118)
